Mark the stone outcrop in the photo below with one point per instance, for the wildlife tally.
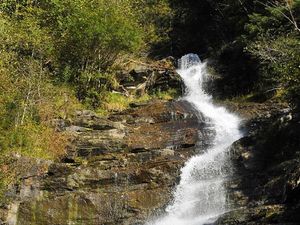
(118, 170)
(141, 78)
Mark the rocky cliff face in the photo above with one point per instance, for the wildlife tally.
(119, 170)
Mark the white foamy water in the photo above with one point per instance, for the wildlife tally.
(200, 197)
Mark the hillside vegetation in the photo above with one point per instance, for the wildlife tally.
(59, 56)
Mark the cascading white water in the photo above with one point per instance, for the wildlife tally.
(200, 197)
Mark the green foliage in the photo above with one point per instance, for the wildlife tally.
(79, 41)
(28, 98)
(94, 86)
(274, 39)
(156, 17)
(98, 31)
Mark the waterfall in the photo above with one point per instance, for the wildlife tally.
(200, 197)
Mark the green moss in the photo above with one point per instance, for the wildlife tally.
(73, 211)
(167, 95)
(117, 102)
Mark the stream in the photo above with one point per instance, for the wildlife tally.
(200, 197)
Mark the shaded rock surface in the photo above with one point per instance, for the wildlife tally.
(265, 187)
(119, 170)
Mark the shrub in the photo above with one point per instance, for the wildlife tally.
(275, 41)
(91, 34)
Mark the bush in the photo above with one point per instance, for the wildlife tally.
(91, 34)
(156, 18)
(29, 100)
(275, 42)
